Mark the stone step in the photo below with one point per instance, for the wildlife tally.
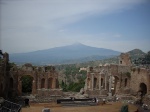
(78, 103)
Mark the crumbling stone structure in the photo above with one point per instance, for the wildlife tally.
(44, 79)
(122, 78)
(107, 79)
(5, 77)
(140, 80)
(124, 59)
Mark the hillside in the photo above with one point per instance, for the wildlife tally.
(134, 54)
(63, 55)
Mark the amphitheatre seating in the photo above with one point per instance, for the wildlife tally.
(8, 106)
(77, 102)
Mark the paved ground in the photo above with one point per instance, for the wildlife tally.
(109, 107)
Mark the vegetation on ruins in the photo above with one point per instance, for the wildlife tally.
(73, 86)
(133, 69)
(128, 74)
(70, 70)
(26, 84)
(71, 74)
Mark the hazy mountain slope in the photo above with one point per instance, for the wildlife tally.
(134, 54)
(63, 54)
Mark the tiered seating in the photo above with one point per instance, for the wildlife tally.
(8, 106)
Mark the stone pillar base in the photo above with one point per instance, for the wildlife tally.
(109, 94)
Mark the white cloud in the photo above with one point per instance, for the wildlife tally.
(117, 36)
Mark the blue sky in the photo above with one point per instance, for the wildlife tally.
(30, 25)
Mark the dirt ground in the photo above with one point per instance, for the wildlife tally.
(109, 107)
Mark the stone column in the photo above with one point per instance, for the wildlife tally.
(120, 80)
(46, 83)
(105, 82)
(86, 84)
(53, 83)
(20, 88)
(100, 82)
(33, 87)
(110, 84)
(39, 83)
(92, 79)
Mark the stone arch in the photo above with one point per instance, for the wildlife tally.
(102, 82)
(26, 84)
(57, 83)
(88, 82)
(1, 88)
(11, 83)
(143, 89)
(42, 83)
(50, 82)
(125, 82)
(95, 83)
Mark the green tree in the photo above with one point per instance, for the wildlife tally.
(26, 84)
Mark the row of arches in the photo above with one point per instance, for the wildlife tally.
(95, 83)
(28, 84)
(49, 83)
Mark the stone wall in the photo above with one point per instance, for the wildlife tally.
(42, 78)
(124, 59)
(114, 79)
(5, 76)
(138, 76)
(11, 80)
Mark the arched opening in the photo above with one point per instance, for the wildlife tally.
(95, 82)
(125, 82)
(26, 84)
(88, 83)
(11, 83)
(50, 82)
(143, 89)
(1, 89)
(102, 82)
(43, 83)
(57, 83)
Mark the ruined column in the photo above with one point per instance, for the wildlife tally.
(33, 87)
(39, 83)
(92, 80)
(86, 84)
(110, 85)
(54, 83)
(46, 83)
(100, 81)
(20, 88)
(105, 82)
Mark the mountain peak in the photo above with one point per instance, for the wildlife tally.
(136, 51)
(77, 43)
(63, 54)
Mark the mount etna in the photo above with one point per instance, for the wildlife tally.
(74, 53)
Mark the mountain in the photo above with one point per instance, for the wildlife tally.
(65, 54)
(136, 53)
